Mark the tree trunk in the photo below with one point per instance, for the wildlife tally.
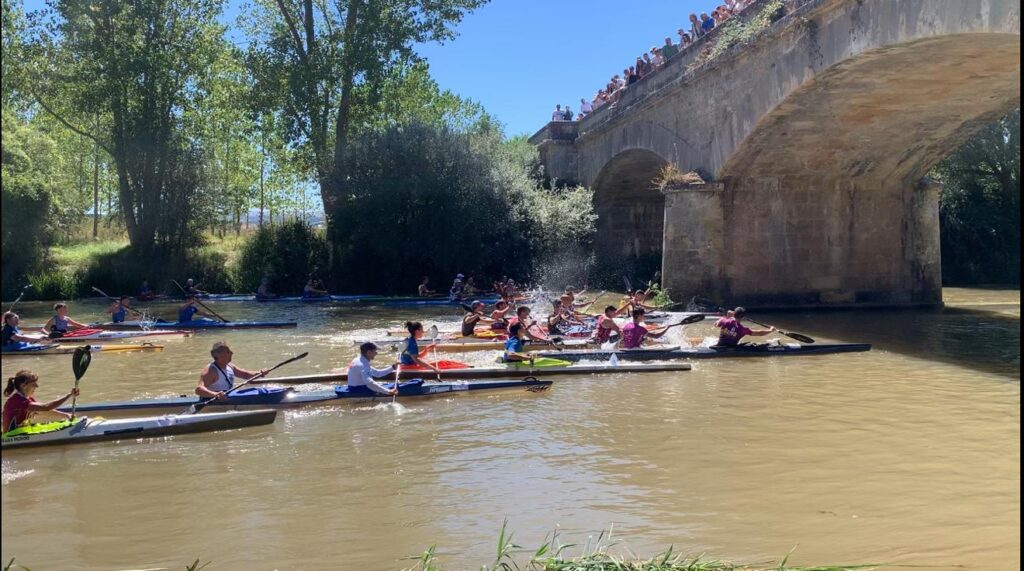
(96, 191)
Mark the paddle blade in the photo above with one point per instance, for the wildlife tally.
(695, 318)
(798, 337)
(80, 360)
(433, 332)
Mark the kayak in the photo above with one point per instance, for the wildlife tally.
(87, 429)
(426, 301)
(469, 345)
(101, 335)
(250, 398)
(493, 372)
(744, 350)
(39, 349)
(197, 324)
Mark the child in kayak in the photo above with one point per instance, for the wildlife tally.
(523, 316)
(733, 329)
(514, 347)
(606, 325)
(12, 337)
(411, 352)
(424, 289)
(312, 291)
(21, 403)
(58, 325)
(474, 315)
(500, 315)
(145, 293)
(188, 311)
(119, 309)
(634, 333)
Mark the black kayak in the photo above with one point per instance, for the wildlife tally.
(715, 352)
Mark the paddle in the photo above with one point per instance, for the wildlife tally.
(695, 318)
(202, 404)
(433, 342)
(398, 375)
(201, 304)
(17, 299)
(79, 363)
(586, 306)
(696, 301)
(131, 309)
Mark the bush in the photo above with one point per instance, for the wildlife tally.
(122, 272)
(289, 254)
(55, 284)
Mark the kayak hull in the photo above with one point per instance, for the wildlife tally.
(36, 349)
(119, 335)
(294, 399)
(99, 429)
(195, 325)
(494, 372)
(785, 350)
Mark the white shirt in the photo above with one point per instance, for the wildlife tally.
(557, 115)
(361, 374)
(586, 107)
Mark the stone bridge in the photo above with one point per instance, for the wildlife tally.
(817, 135)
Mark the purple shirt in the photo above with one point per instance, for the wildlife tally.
(633, 335)
(732, 331)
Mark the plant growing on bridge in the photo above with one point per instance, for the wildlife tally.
(736, 32)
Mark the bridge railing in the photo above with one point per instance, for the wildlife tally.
(556, 131)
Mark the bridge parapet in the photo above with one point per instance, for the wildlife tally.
(557, 149)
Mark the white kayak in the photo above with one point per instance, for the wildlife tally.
(85, 429)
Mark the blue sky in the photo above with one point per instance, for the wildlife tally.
(520, 57)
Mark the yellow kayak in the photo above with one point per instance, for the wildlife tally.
(29, 349)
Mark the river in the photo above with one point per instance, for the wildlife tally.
(908, 454)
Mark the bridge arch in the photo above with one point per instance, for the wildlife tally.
(630, 209)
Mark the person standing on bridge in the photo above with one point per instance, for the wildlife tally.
(668, 50)
(696, 29)
(707, 23)
(557, 114)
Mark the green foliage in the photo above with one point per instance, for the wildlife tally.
(54, 284)
(288, 254)
(122, 271)
(980, 207)
(427, 200)
(736, 32)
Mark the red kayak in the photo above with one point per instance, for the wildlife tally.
(443, 365)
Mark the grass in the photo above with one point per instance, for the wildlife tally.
(74, 258)
(597, 555)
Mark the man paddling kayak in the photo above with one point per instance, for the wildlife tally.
(606, 325)
(145, 292)
(191, 288)
(361, 373)
(118, 310)
(188, 311)
(264, 292)
(58, 325)
(218, 377)
(634, 333)
(311, 290)
(733, 329)
(424, 288)
(411, 352)
(21, 404)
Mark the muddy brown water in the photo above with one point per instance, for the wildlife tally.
(909, 454)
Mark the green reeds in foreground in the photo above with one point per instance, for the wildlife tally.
(596, 556)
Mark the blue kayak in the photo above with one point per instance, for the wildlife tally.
(195, 324)
(249, 398)
(397, 302)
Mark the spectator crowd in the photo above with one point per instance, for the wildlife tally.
(648, 62)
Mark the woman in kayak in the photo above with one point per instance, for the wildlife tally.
(474, 315)
(219, 376)
(58, 325)
(119, 309)
(188, 311)
(311, 291)
(733, 329)
(12, 337)
(361, 373)
(21, 404)
(634, 333)
(411, 352)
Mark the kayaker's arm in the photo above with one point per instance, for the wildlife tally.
(761, 332)
(245, 374)
(419, 361)
(208, 377)
(49, 406)
(76, 325)
(45, 329)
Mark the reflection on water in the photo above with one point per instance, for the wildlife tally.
(907, 454)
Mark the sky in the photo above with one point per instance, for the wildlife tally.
(518, 58)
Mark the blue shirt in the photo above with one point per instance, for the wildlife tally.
(706, 25)
(9, 332)
(119, 315)
(514, 345)
(186, 313)
(411, 348)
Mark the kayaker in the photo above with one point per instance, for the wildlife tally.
(361, 373)
(21, 403)
(119, 309)
(523, 316)
(12, 337)
(58, 325)
(218, 377)
(474, 315)
(500, 315)
(191, 288)
(634, 333)
(424, 289)
(411, 352)
(455, 292)
(311, 291)
(557, 319)
(514, 347)
(637, 299)
(606, 325)
(264, 290)
(733, 329)
(188, 311)
(145, 292)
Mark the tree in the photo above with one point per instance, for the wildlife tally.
(135, 64)
(329, 62)
(980, 207)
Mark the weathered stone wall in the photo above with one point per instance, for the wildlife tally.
(820, 132)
